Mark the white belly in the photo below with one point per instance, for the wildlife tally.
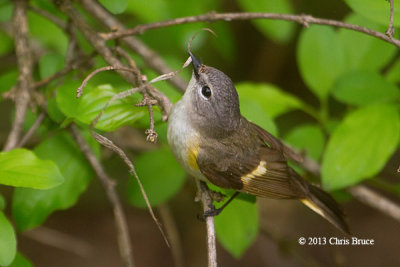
(182, 139)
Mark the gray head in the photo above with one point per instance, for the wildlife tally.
(214, 102)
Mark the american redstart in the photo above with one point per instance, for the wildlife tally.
(214, 143)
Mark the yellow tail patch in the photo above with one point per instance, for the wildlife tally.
(312, 206)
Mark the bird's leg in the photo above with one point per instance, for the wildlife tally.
(212, 211)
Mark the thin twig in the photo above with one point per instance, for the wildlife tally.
(390, 31)
(56, 20)
(211, 237)
(304, 20)
(90, 76)
(100, 46)
(109, 186)
(63, 72)
(21, 94)
(375, 200)
(109, 144)
(361, 193)
(151, 58)
(173, 234)
(60, 240)
(30, 132)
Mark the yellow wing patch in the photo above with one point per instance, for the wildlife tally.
(259, 171)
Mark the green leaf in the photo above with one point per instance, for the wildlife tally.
(6, 10)
(237, 226)
(115, 6)
(50, 64)
(363, 52)
(31, 207)
(308, 137)
(393, 74)
(54, 112)
(273, 100)
(255, 113)
(20, 261)
(320, 58)
(2, 202)
(280, 31)
(21, 168)
(360, 146)
(376, 10)
(6, 44)
(47, 34)
(8, 80)
(8, 242)
(364, 88)
(161, 176)
(120, 112)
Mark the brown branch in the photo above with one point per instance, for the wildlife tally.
(173, 234)
(109, 186)
(70, 67)
(56, 20)
(60, 240)
(32, 130)
(207, 201)
(361, 193)
(109, 144)
(79, 91)
(304, 20)
(390, 31)
(150, 57)
(99, 45)
(375, 200)
(21, 93)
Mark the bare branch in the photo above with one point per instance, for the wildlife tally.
(109, 144)
(21, 93)
(207, 203)
(150, 56)
(304, 20)
(31, 131)
(375, 200)
(90, 76)
(56, 20)
(63, 72)
(99, 45)
(109, 186)
(60, 240)
(173, 234)
(390, 31)
(361, 193)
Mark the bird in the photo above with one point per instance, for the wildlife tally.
(214, 143)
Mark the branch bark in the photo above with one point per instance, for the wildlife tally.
(390, 31)
(362, 193)
(109, 187)
(100, 46)
(150, 56)
(207, 202)
(304, 20)
(21, 93)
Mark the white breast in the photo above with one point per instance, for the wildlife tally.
(180, 136)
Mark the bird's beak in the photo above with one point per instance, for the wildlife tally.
(196, 64)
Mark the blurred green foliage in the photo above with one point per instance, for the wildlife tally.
(8, 241)
(342, 68)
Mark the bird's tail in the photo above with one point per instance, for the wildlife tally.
(323, 204)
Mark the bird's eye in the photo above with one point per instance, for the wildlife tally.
(206, 92)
